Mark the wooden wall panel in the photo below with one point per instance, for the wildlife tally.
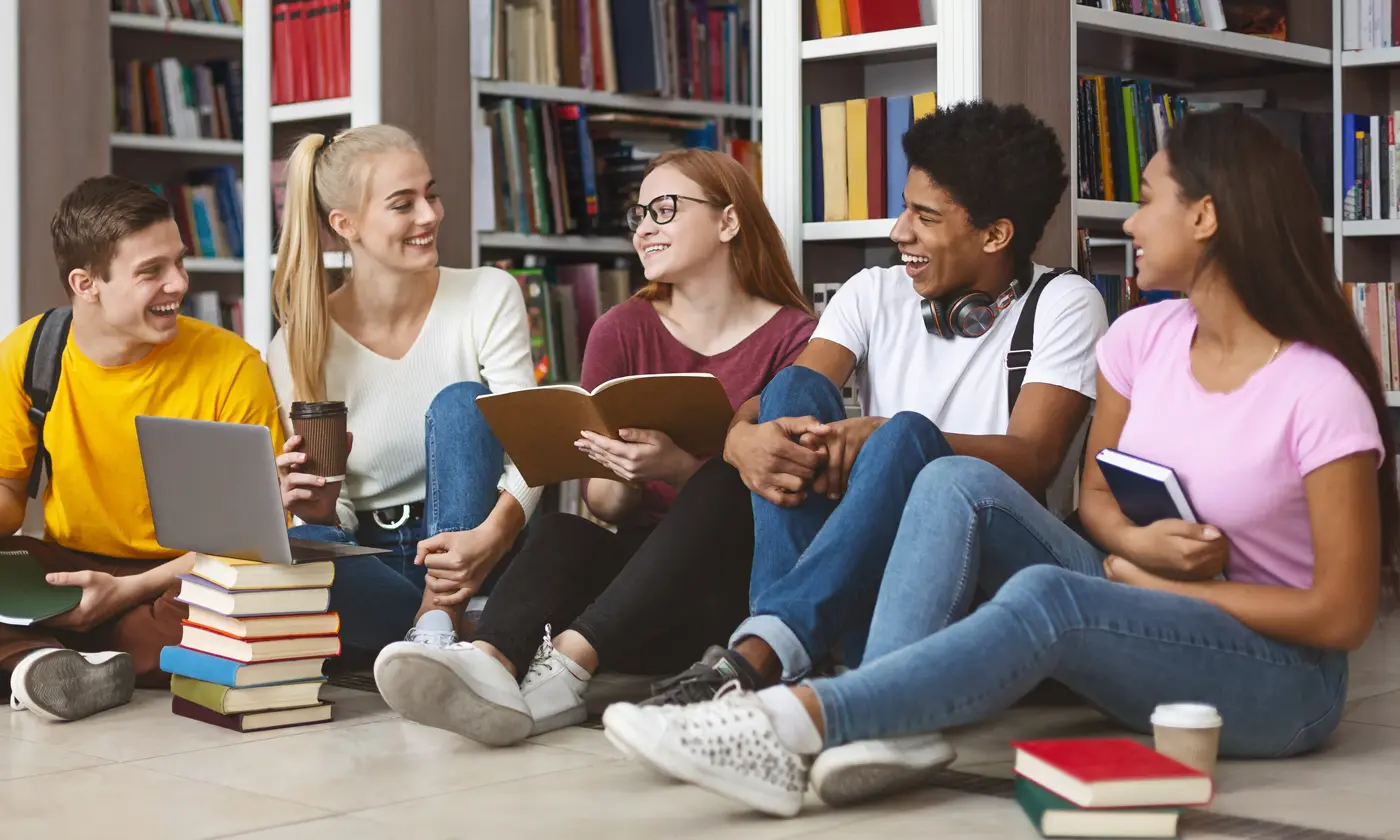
(426, 67)
(1026, 58)
(65, 117)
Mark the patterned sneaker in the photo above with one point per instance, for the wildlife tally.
(703, 680)
(727, 746)
(431, 638)
(863, 770)
(460, 688)
(553, 689)
(60, 684)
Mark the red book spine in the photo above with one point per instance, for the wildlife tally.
(854, 17)
(281, 55)
(875, 156)
(884, 15)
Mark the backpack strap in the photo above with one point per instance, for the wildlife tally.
(42, 370)
(1018, 358)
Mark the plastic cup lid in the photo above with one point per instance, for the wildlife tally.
(1186, 716)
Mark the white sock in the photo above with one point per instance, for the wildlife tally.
(795, 728)
(435, 620)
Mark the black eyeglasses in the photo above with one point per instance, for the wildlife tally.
(662, 209)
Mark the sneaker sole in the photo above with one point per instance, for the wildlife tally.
(66, 686)
(571, 716)
(857, 783)
(678, 764)
(434, 695)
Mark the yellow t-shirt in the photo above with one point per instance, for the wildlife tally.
(96, 499)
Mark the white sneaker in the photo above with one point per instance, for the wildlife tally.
(553, 689)
(727, 746)
(864, 770)
(431, 638)
(61, 684)
(460, 688)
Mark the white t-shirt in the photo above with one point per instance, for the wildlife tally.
(475, 331)
(960, 383)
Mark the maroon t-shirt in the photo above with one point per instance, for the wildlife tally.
(631, 340)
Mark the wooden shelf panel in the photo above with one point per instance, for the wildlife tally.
(620, 101)
(193, 28)
(213, 265)
(159, 143)
(900, 43)
(1199, 37)
(319, 109)
(847, 231)
(508, 240)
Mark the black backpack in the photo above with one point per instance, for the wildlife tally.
(42, 370)
(1018, 358)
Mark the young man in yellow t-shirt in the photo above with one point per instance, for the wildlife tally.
(129, 352)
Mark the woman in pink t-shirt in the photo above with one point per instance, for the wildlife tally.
(673, 578)
(1262, 394)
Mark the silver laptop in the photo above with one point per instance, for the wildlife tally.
(213, 489)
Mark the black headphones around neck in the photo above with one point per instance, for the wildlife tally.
(967, 314)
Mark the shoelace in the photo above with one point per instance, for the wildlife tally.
(434, 638)
(693, 685)
(540, 664)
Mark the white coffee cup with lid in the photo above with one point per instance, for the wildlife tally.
(1189, 733)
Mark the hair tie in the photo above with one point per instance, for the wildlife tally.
(321, 149)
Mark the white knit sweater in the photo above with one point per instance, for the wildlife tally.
(475, 331)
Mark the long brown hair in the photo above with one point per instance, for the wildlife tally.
(757, 254)
(322, 175)
(1270, 245)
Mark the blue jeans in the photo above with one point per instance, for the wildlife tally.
(817, 567)
(378, 596)
(1053, 614)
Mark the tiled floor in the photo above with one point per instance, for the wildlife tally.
(140, 772)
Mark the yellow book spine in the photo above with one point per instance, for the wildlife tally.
(834, 162)
(857, 162)
(925, 104)
(831, 18)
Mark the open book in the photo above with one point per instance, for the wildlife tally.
(538, 426)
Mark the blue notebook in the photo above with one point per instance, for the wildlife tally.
(1145, 491)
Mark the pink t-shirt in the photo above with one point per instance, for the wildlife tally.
(1240, 456)
(630, 339)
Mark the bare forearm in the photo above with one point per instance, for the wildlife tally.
(611, 500)
(1020, 459)
(150, 584)
(12, 505)
(1104, 520)
(746, 413)
(1296, 616)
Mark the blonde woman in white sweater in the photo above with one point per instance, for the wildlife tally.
(407, 345)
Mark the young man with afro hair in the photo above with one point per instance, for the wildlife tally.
(930, 342)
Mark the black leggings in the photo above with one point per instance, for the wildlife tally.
(649, 601)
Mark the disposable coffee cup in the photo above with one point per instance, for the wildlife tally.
(321, 426)
(1189, 733)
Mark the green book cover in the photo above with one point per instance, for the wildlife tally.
(25, 596)
(209, 695)
(1039, 802)
(1130, 118)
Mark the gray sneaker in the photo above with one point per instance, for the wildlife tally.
(432, 638)
(61, 684)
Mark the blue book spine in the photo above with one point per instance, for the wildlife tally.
(899, 116)
(199, 666)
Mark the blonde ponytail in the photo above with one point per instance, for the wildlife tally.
(322, 175)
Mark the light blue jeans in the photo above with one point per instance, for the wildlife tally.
(1053, 614)
(817, 566)
(377, 596)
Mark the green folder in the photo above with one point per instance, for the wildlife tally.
(25, 597)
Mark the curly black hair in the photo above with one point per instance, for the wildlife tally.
(997, 162)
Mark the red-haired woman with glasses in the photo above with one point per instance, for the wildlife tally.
(673, 577)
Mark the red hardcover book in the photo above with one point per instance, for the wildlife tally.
(875, 156)
(255, 721)
(345, 47)
(281, 54)
(1111, 773)
(855, 19)
(884, 15)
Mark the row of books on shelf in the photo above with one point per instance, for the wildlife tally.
(1368, 167)
(253, 650)
(853, 152)
(172, 99)
(211, 307)
(310, 50)
(1267, 18)
(562, 303)
(688, 49)
(1120, 292)
(561, 168)
(1122, 122)
(835, 18)
(1375, 306)
(205, 11)
(208, 209)
(1369, 25)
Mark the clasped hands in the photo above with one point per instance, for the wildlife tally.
(783, 460)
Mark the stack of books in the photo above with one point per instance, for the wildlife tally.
(254, 645)
(1105, 787)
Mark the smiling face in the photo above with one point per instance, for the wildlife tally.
(398, 226)
(140, 293)
(693, 240)
(942, 251)
(1169, 234)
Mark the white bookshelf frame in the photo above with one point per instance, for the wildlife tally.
(11, 269)
(176, 26)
